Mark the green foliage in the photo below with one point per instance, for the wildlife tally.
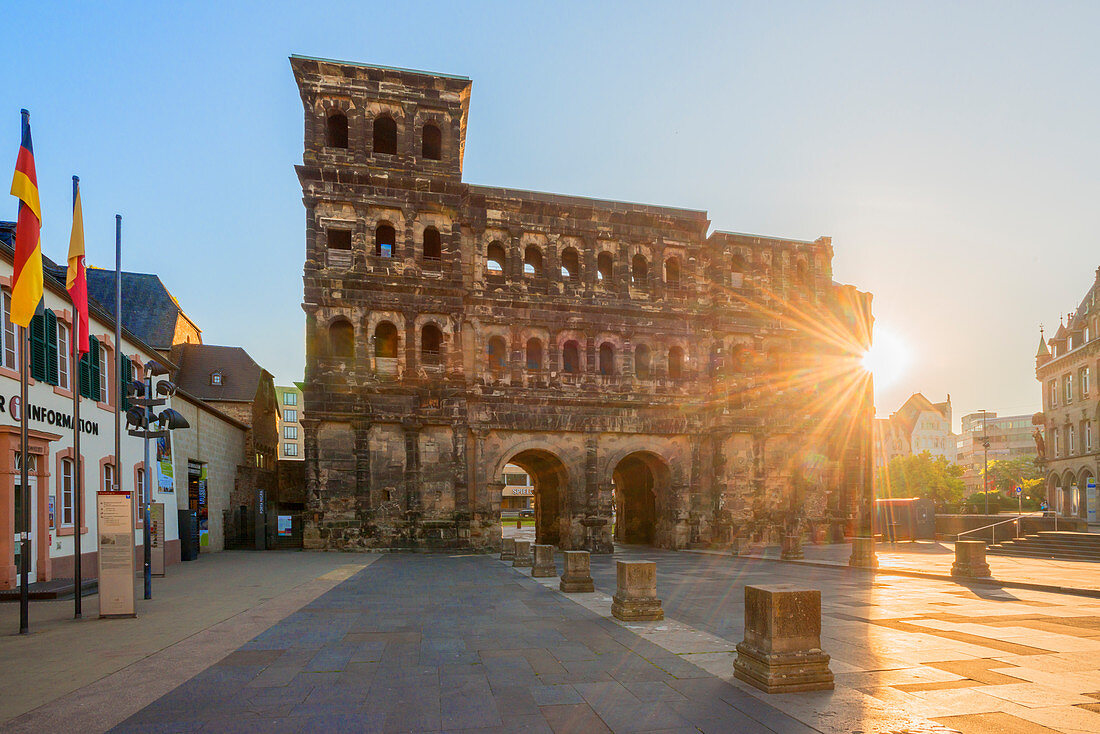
(1006, 474)
(922, 476)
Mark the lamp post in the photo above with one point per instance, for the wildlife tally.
(141, 416)
(985, 472)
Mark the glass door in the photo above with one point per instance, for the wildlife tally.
(19, 507)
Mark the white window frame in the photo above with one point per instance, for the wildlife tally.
(108, 477)
(1053, 385)
(1067, 389)
(290, 398)
(287, 430)
(65, 517)
(63, 349)
(1084, 382)
(288, 412)
(104, 375)
(1088, 437)
(9, 355)
(1071, 441)
(290, 445)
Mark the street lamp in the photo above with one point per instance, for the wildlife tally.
(985, 472)
(142, 417)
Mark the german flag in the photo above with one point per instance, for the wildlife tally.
(26, 290)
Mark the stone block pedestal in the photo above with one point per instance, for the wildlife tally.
(781, 652)
(970, 559)
(863, 553)
(791, 549)
(577, 576)
(523, 554)
(635, 598)
(508, 549)
(742, 546)
(544, 562)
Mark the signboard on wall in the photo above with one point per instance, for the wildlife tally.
(284, 529)
(1090, 498)
(156, 535)
(115, 542)
(165, 478)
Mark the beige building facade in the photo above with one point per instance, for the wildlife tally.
(1066, 367)
(288, 420)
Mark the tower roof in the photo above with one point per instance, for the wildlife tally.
(1043, 351)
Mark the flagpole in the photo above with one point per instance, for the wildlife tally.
(118, 353)
(24, 537)
(78, 475)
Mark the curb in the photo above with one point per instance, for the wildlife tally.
(1091, 593)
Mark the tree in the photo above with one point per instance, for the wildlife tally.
(922, 476)
(1006, 474)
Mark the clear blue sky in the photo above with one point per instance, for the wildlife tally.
(951, 150)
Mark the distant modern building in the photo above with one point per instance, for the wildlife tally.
(288, 419)
(1010, 437)
(518, 492)
(1064, 366)
(917, 426)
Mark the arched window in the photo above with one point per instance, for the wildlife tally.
(675, 363)
(534, 354)
(495, 258)
(638, 268)
(431, 146)
(336, 130)
(431, 344)
(385, 135)
(570, 265)
(607, 359)
(801, 274)
(532, 261)
(385, 238)
(498, 354)
(341, 339)
(385, 340)
(570, 357)
(605, 267)
(737, 270)
(672, 273)
(433, 248)
(641, 361)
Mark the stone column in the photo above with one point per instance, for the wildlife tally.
(508, 549)
(544, 562)
(781, 652)
(635, 598)
(970, 559)
(523, 554)
(791, 549)
(863, 553)
(577, 576)
(412, 467)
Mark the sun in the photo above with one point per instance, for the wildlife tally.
(888, 358)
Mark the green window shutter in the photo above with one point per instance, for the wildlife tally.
(84, 376)
(127, 378)
(52, 376)
(38, 348)
(89, 369)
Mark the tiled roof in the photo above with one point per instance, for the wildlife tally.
(149, 310)
(240, 375)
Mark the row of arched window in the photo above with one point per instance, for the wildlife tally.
(383, 136)
(385, 243)
(341, 336)
(496, 258)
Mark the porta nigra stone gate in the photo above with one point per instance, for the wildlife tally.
(660, 384)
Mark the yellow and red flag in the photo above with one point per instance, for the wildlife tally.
(76, 280)
(26, 289)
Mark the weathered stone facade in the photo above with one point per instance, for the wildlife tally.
(620, 355)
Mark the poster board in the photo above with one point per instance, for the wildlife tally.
(1090, 498)
(156, 538)
(115, 559)
(285, 529)
(165, 477)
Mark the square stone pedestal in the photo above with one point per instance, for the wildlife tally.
(544, 562)
(635, 598)
(863, 553)
(792, 547)
(742, 546)
(508, 549)
(523, 554)
(970, 559)
(577, 576)
(781, 652)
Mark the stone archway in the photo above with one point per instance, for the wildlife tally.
(550, 480)
(642, 483)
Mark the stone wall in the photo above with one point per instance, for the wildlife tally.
(220, 444)
(637, 367)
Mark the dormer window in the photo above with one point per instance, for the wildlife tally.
(215, 378)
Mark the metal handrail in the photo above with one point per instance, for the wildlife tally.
(1000, 522)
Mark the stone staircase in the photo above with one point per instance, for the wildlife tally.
(1058, 545)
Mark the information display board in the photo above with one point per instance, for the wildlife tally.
(156, 536)
(1090, 498)
(285, 528)
(115, 530)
